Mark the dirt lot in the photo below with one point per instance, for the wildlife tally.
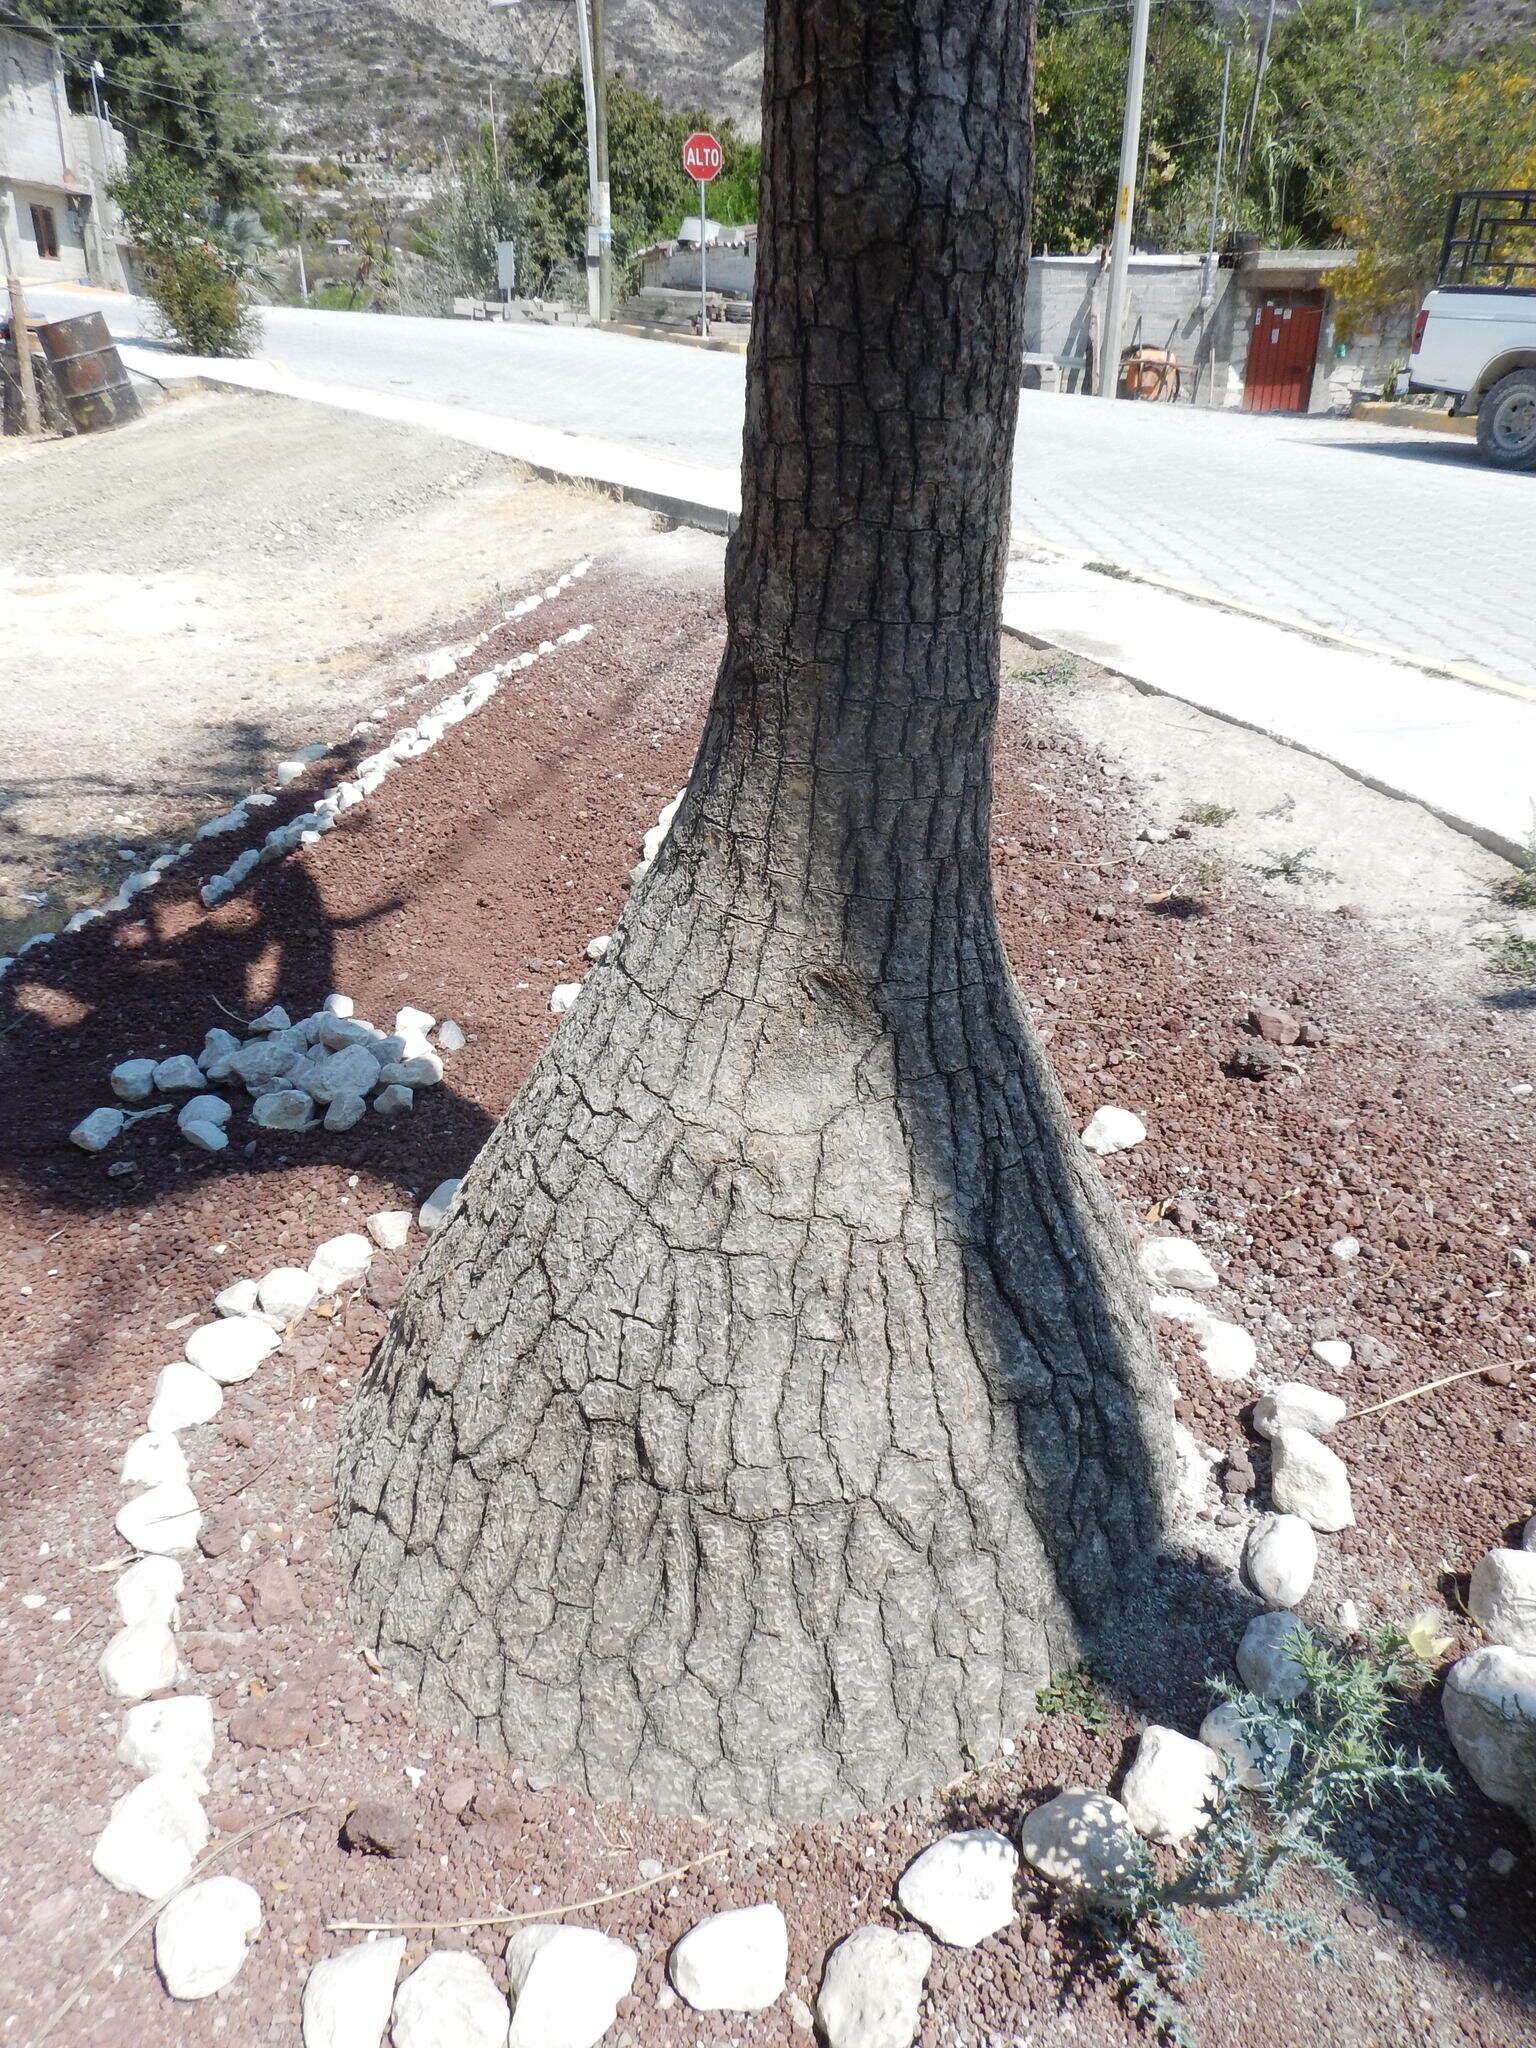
(469, 886)
(184, 601)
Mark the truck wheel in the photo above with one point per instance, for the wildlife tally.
(1506, 422)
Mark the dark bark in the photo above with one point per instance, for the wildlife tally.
(778, 1404)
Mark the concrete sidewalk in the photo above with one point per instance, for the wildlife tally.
(1465, 751)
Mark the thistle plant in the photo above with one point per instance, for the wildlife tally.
(1317, 1760)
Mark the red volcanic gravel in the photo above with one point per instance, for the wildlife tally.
(469, 885)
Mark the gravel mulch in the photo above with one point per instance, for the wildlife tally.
(470, 886)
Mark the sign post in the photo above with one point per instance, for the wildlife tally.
(702, 159)
(506, 274)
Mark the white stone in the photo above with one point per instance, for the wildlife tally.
(1292, 1405)
(204, 1109)
(393, 1101)
(422, 1070)
(149, 1591)
(566, 1985)
(1528, 1535)
(1333, 1352)
(412, 1023)
(352, 1071)
(1307, 1479)
(1081, 1837)
(340, 1260)
(139, 1660)
(961, 1888)
(1264, 1662)
(1280, 1559)
(154, 1458)
(1227, 1350)
(872, 1987)
(94, 1133)
(174, 1735)
(562, 996)
(260, 1064)
(287, 1292)
(450, 1036)
(597, 947)
(1170, 1788)
(343, 1111)
(1113, 1130)
(155, 1835)
(205, 1136)
(184, 1396)
(732, 1962)
(1503, 1597)
(347, 1998)
(163, 1521)
(1253, 1766)
(337, 1033)
(203, 1934)
(133, 1080)
(218, 1044)
(337, 1005)
(1346, 1249)
(450, 2001)
(284, 1109)
(435, 1207)
(237, 1299)
(178, 1075)
(436, 666)
(1175, 1262)
(1490, 1713)
(390, 1228)
(231, 1349)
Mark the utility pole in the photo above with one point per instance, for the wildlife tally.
(604, 192)
(495, 144)
(1251, 121)
(1221, 149)
(599, 223)
(1108, 367)
(31, 412)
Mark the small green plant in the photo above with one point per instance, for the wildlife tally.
(1060, 674)
(1076, 1691)
(1520, 887)
(1295, 866)
(1513, 956)
(1209, 814)
(1109, 569)
(1318, 1759)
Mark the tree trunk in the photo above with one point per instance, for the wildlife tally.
(778, 1402)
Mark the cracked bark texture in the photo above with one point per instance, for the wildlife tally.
(777, 1406)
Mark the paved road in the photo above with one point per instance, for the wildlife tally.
(1404, 540)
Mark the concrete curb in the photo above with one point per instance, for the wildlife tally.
(1188, 644)
(1384, 412)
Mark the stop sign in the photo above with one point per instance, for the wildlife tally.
(702, 157)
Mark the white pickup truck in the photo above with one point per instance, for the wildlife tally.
(1476, 334)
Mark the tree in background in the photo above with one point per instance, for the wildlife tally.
(167, 84)
(198, 260)
(776, 1408)
(1079, 100)
(532, 184)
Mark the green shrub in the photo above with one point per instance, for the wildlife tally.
(200, 301)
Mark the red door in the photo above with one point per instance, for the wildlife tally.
(1282, 355)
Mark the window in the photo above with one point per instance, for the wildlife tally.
(45, 232)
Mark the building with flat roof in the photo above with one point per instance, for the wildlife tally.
(57, 221)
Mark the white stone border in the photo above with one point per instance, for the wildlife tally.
(310, 826)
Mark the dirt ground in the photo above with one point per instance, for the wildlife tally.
(469, 885)
(186, 600)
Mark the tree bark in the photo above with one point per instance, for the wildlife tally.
(777, 1405)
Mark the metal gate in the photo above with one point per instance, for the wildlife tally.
(1282, 355)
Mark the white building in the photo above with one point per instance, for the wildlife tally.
(56, 220)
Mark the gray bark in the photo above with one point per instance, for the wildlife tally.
(777, 1404)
